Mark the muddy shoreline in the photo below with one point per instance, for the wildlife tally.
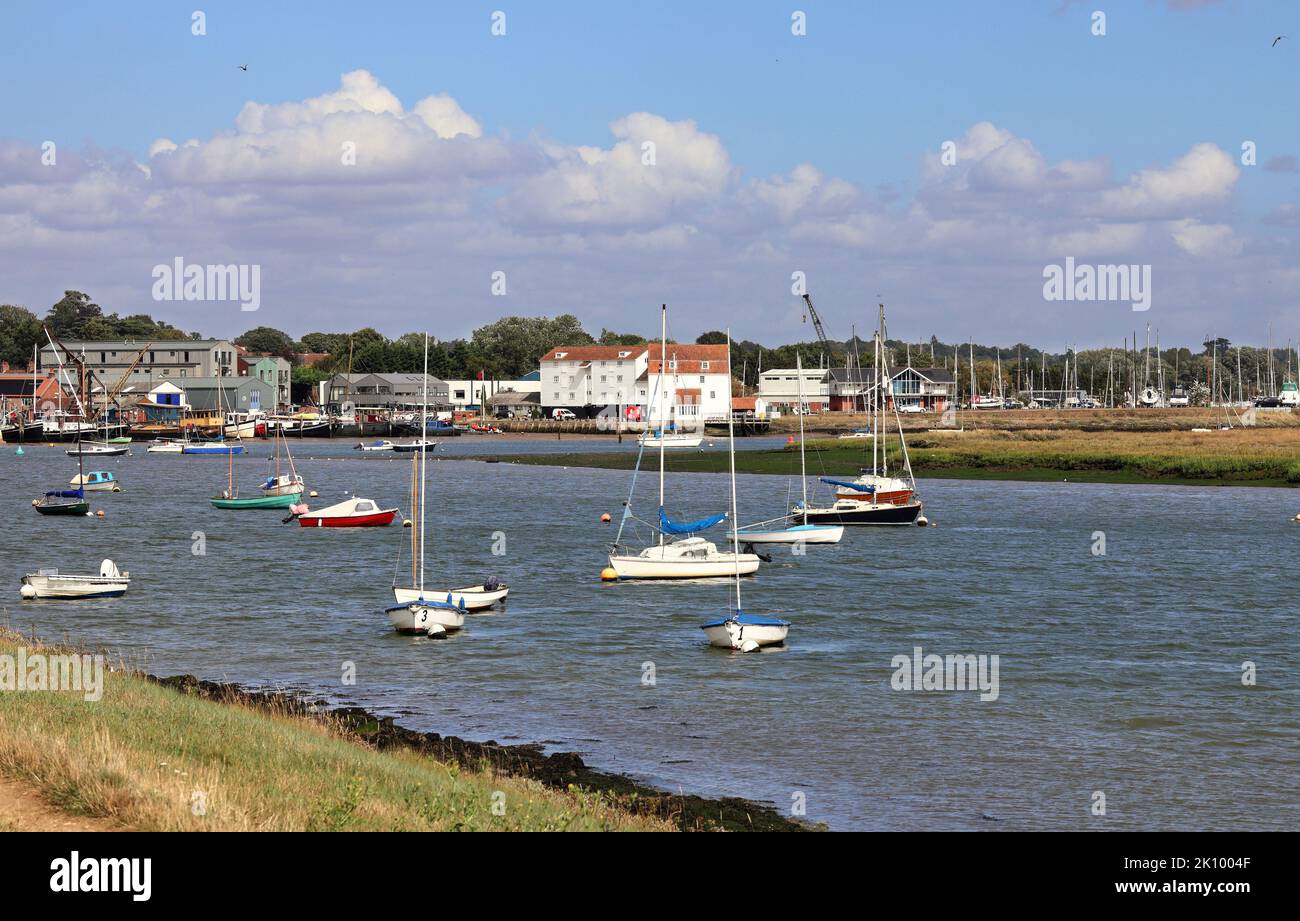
(560, 770)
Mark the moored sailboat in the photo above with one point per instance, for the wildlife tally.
(690, 557)
(740, 629)
(875, 497)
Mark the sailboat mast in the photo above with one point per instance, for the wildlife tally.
(424, 450)
(663, 354)
(731, 456)
(803, 464)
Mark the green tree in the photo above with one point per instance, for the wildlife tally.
(67, 317)
(514, 345)
(267, 339)
(19, 331)
(713, 337)
(609, 337)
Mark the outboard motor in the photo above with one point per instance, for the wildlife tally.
(491, 584)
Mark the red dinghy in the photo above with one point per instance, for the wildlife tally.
(352, 513)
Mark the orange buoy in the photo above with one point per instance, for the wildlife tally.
(99, 514)
(608, 574)
(789, 439)
(605, 518)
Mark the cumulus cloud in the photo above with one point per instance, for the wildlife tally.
(659, 210)
(1202, 178)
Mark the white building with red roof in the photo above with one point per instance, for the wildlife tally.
(590, 379)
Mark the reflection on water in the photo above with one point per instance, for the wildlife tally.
(1119, 673)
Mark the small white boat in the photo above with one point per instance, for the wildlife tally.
(166, 446)
(657, 439)
(795, 534)
(857, 433)
(689, 558)
(48, 583)
(374, 446)
(746, 632)
(414, 446)
(738, 630)
(350, 513)
(434, 618)
(97, 481)
(92, 448)
(473, 598)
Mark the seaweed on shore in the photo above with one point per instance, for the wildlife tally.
(560, 770)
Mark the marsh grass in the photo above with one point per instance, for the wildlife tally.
(1255, 456)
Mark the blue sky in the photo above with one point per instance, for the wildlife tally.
(862, 98)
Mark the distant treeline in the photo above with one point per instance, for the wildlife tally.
(511, 347)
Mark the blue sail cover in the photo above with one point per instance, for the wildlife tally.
(669, 526)
(67, 494)
(860, 487)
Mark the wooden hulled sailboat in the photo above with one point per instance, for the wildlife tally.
(689, 556)
(740, 629)
(875, 497)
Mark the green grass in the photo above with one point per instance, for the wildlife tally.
(140, 754)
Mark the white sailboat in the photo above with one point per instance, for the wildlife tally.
(420, 609)
(283, 484)
(740, 630)
(801, 532)
(690, 557)
(48, 583)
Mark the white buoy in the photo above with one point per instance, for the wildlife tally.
(437, 631)
(922, 521)
(748, 646)
(28, 591)
(312, 494)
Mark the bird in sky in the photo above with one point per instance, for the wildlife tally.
(243, 67)
(1276, 40)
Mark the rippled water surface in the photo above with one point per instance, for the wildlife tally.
(1118, 673)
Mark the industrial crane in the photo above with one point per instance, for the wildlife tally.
(116, 390)
(817, 321)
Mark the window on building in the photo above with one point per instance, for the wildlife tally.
(559, 355)
(571, 397)
(704, 366)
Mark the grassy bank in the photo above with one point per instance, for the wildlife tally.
(148, 757)
(1256, 456)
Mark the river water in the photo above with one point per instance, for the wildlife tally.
(1119, 673)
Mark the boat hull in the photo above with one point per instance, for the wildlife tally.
(254, 502)
(865, 513)
(75, 587)
(474, 598)
(730, 635)
(63, 508)
(377, 520)
(799, 534)
(117, 451)
(671, 441)
(417, 618)
(213, 449)
(721, 566)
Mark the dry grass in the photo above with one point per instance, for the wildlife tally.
(144, 756)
